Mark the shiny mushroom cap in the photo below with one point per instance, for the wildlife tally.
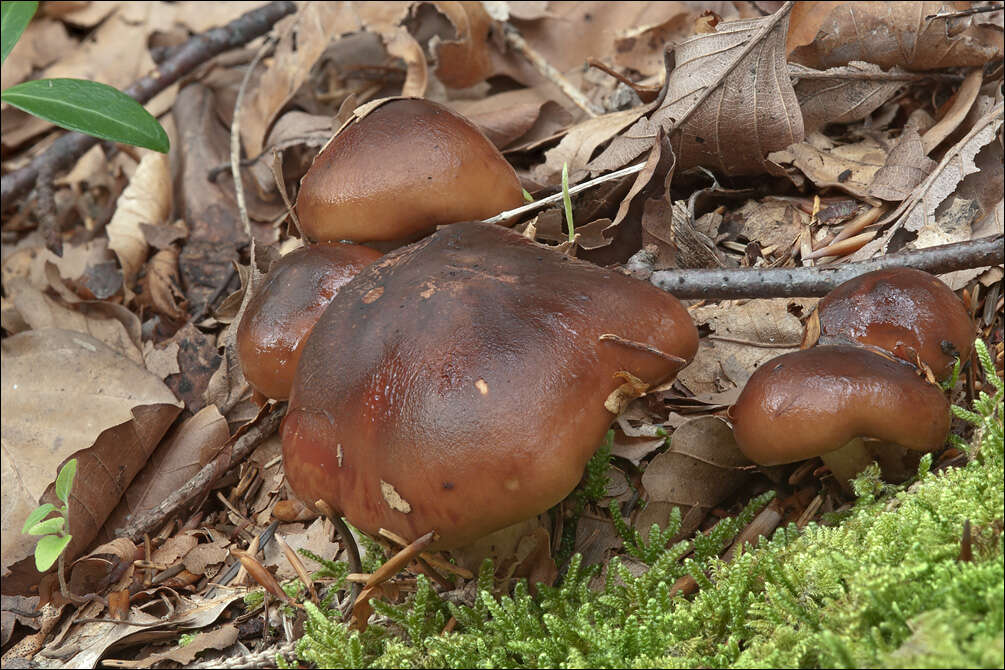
(279, 317)
(811, 402)
(400, 170)
(907, 312)
(473, 391)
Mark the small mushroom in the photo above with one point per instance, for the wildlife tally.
(399, 171)
(905, 311)
(279, 317)
(814, 402)
(459, 384)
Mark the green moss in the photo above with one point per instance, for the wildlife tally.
(884, 586)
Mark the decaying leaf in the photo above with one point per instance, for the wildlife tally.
(838, 95)
(897, 33)
(729, 102)
(68, 395)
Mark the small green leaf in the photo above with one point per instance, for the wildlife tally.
(14, 18)
(37, 515)
(64, 480)
(89, 107)
(48, 527)
(48, 550)
(527, 196)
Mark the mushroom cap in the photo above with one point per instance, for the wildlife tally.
(907, 312)
(473, 392)
(404, 168)
(279, 317)
(807, 403)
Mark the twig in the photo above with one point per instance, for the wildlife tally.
(965, 12)
(515, 40)
(65, 151)
(235, 139)
(202, 480)
(817, 281)
(800, 72)
(557, 197)
(48, 221)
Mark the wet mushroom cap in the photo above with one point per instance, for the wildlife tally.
(811, 402)
(907, 312)
(279, 317)
(474, 391)
(404, 168)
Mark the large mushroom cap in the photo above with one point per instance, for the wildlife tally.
(279, 317)
(459, 384)
(908, 312)
(404, 168)
(811, 402)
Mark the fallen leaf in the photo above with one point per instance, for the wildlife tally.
(147, 200)
(906, 166)
(463, 58)
(174, 462)
(580, 142)
(729, 102)
(160, 287)
(102, 567)
(218, 638)
(66, 394)
(316, 539)
(837, 95)
(897, 33)
(848, 167)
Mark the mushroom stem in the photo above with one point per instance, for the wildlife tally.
(847, 462)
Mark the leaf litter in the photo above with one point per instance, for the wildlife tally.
(120, 352)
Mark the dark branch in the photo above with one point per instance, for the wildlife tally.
(815, 281)
(65, 151)
(200, 483)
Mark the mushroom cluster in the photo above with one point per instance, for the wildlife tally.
(876, 346)
(460, 383)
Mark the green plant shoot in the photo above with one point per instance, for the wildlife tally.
(54, 531)
(567, 201)
(75, 104)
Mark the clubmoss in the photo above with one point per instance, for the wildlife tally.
(889, 585)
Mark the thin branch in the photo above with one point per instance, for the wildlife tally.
(815, 281)
(65, 151)
(235, 139)
(195, 487)
(557, 197)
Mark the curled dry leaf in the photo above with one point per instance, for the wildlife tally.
(462, 59)
(401, 44)
(102, 567)
(729, 102)
(846, 167)
(316, 539)
(896, 33)
(929, 212)
(147, 200)
(702, 466)
(65, 394)
(217, 638)
(160, 288)
(581, 141)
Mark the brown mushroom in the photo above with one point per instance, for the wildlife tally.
(474, 390)
(814, 402)
(400, 170)
(905, 311)
(279, 317)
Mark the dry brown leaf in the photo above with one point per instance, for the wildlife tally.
(160, 288)
(906, 166)
(701, 467)
(729, 102)
(401, 44)
(929, 212)
(463, 58)
(205, 557)
(82, 14)
(897, 33)
(218, 638)
(841, 98)
(316, 538)
(580, 142)
(68, 395)
(174, 462)
(641, 47)
(509, 116)
(147, 200)
(198, 17)
(102, 567)
(847, 167)
(724, 366)
(303, 39)
(38, 311)
(770, 223)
